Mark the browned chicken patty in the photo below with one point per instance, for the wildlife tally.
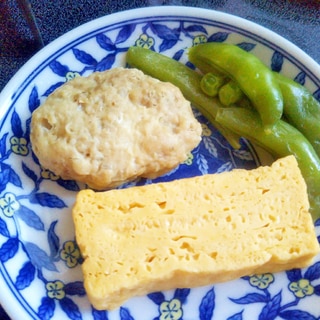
(112, 127)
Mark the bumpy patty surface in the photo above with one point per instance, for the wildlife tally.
(112, 127)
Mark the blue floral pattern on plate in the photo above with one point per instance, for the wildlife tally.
(39, 258)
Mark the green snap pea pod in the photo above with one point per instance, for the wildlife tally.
(204, 66)
(211, 83)
(301, 109)
(186, 79)
(282, 140)
(254, 78)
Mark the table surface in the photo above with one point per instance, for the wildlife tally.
(296, 20)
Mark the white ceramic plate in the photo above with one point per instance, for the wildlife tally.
(40, 276)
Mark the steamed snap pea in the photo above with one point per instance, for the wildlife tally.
(282, 140)
(254, 78)
(187, 80)
(301, 109)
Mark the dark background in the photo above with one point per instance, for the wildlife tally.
(297, 21)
